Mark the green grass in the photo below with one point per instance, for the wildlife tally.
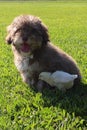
(21, 108)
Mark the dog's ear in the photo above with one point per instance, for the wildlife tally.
(44, 32)
(8, 38)
(9, 28)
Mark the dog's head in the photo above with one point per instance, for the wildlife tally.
(27, 33)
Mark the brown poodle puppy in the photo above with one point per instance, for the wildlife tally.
(33, 51)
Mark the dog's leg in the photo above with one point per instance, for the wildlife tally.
(25, 77)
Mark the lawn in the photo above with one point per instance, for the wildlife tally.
(22, 108)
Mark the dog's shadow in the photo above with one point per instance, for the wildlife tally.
(74, 100)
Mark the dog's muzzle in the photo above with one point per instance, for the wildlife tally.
(25, 47)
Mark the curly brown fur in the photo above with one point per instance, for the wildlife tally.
(33, 51)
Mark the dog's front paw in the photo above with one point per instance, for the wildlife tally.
(25, 78)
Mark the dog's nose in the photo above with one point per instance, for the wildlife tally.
(25, 38)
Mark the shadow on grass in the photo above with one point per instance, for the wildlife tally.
(74, 100)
